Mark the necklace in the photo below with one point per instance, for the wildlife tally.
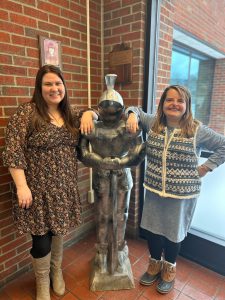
(57, 121)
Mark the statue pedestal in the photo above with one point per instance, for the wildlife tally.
(122, 279)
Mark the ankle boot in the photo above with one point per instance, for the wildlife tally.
(152, 274)
(41, 269)
(58, 283)
(168, 275)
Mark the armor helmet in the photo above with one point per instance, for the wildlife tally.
(110, 93)
(111, 102)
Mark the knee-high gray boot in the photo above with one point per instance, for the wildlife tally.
(41, 269)
(58, 283)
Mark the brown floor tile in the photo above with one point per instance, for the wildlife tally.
(142, 298)
(193, 282)
(139, 269)
(150, 292)
(27, 297)
(69, 296)
(83, 293)
(183, 297)
(4, 296)
(137, 250)
(205, 287)
(121, 295)
(195, 294)
(14, 289)
(220, 294)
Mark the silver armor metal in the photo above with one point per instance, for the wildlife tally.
(113, 152)
(110, 93)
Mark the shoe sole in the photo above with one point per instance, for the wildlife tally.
(57, 294)
(147, 283)
(165, 292)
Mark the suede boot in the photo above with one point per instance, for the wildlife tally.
(152, 274)
(168, 275)
(58, 283)
(41, 269)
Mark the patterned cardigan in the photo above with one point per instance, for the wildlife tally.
(172, 165)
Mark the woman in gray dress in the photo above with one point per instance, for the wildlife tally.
(172, 178)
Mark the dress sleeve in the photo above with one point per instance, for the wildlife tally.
(77, 114)
(17, 132)
(208, 139)
(146, 120)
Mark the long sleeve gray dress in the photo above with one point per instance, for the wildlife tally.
(172, 217)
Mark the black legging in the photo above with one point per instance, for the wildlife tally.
(157, 244)
(41, 245)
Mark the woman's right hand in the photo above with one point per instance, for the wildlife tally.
(132, 123)
(86, 123)
(24, 196)
(203, 170)
(23, 192)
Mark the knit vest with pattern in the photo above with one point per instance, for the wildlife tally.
(172, 165)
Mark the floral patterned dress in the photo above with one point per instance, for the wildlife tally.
(49, 159)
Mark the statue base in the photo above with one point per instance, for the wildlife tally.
(122, 279)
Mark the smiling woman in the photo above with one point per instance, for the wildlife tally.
(173, 177)
(41, 141)
(174, 108)
(53, 92)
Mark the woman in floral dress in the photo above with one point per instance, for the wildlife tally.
(40, 152)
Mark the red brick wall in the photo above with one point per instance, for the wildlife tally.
(217, 116)
(204, 20)
(165, 46)
(20, 24)
(124, 22)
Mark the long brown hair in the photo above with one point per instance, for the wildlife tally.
(188, 124)
(41, 108)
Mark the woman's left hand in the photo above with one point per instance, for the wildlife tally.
(132, 123)
(86, 123)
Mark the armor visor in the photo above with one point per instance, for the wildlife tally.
(110, 110)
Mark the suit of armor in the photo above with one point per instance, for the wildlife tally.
(113, 151)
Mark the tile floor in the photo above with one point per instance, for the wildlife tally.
(192, 281)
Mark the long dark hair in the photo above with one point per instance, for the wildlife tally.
(187, 123)
(41, 108)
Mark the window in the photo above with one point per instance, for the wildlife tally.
(195, 71)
